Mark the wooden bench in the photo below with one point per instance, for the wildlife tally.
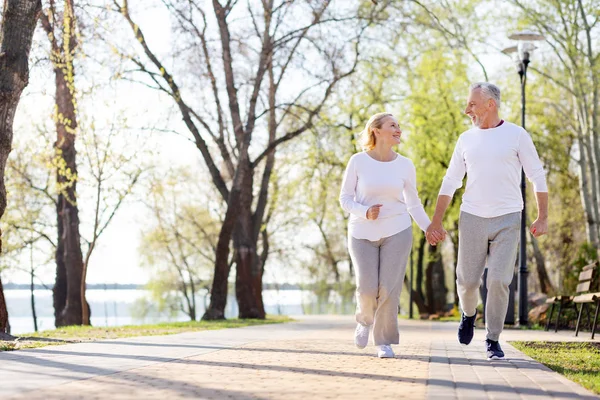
(585, 299)
(585, 278)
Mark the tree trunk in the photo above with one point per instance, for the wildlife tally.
(59, 291)
(436, 282)
(248, 282)
(544, 279)
(218, 294)
(417, 298)
(420, 261)
(18, 25)
(584, 191)
(33, 313)
(4, 324)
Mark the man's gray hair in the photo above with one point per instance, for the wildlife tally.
(490, 90)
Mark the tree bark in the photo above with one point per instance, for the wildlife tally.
(18, 25)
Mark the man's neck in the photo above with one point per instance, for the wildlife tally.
(491, 122)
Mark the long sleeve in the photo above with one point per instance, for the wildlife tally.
(413, 202)
(348, 192)
(531, 163)
(455, 173)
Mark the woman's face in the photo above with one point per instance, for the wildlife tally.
(390, 132)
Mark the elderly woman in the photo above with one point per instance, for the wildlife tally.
(380, 191)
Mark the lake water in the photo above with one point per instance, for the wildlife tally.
(116, 307)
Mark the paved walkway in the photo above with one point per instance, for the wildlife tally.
(313, 358)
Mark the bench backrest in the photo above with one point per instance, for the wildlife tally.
(585, 278)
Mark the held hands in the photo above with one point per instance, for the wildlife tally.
(373, 211)
(435, 233)
(539, 227)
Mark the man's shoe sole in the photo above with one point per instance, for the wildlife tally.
(495, 358)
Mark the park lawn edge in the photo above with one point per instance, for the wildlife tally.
(576, 361)
(78, 334)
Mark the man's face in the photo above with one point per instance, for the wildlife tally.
(477, 107)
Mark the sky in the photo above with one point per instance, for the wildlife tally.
(116, 258)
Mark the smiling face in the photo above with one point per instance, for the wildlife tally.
(479, 107)
(389, 133)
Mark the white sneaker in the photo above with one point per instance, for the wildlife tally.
(361, 336)
(385, 351)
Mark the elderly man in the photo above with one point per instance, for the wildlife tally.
(492, 154)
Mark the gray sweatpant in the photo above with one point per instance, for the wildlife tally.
(495, 240)
(380, 268)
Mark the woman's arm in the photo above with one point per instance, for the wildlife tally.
(348, 192)
(413, 202)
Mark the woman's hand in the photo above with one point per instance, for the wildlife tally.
(373, 211)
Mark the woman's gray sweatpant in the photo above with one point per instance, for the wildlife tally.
(495, 240)
(380, 268)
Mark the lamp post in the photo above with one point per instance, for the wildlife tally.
(523, 52)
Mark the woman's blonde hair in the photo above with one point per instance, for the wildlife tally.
(368, 135)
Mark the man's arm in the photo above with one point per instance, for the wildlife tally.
(452, 181)
(540, 225)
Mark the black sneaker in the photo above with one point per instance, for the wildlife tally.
(494, 352)
(465, 329)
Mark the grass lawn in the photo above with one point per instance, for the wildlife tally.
(580, 362)
(75, 334)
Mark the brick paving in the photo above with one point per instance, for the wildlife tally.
(313, 358)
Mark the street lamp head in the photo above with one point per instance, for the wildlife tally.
(510, 50)
(527, 36)
(525, 46)
(525, 51)
(514, 52)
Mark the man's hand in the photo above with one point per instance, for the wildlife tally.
(539, 227)
(435, 233)
(373, 211)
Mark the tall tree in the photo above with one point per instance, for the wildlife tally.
(571, 29)
(18, 25)
(60, 26)
(271, 52)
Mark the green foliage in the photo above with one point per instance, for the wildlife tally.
(179, 243)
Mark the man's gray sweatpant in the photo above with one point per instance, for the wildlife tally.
(380, 268)
(491, 241)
